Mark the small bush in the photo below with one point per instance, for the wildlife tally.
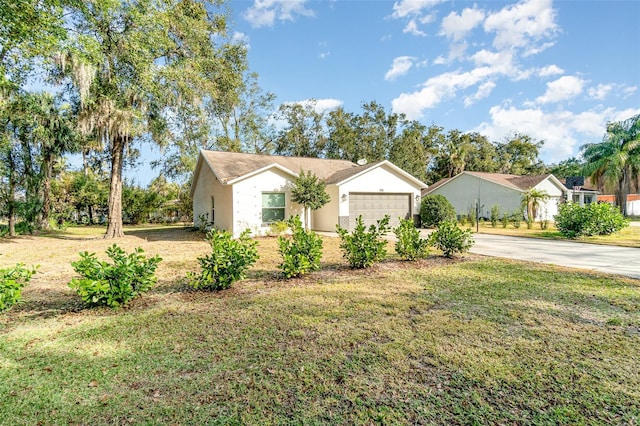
(362, 248)
(229, 260)
(301, 253)
(451, 239)
(504, 219)
(495, 215)
(574, 221)
(409, 245)
(472, 216)
(516, 218)
(278, 228)
(435, 209)
(114, 284)
(12, 281)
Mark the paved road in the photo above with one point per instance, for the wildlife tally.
(596, 257)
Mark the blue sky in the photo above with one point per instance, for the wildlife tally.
(555, 70)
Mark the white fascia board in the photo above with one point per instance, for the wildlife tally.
(261, 170)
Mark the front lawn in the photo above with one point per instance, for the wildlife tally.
(627, 237)
(465, 341)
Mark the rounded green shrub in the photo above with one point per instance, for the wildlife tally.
(451, 239)
(228, 262)
(436, 209)
(574, 221)
(117, 283)
(301, 252)
(12, 280)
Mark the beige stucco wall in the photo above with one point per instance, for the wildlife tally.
(326, 218)
(381, 180)
(206, 187)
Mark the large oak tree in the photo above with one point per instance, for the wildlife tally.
(139, 66)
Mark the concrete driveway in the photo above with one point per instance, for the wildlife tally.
(609, 259)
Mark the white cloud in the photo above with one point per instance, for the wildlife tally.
(549, 71)
(263, 13)
(438, 89)
(319, 105)
(484, 90)
(412, 28)
(563, 132)
(401, 65)
(562, 89)
(629, 90)
(415, 12)
(456, 26)
(600, 92)
(241, 38)
(404, 8)
(519, 25)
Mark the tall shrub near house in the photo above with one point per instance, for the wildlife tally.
(435, 209)
(364, 247)
(228, 261)
(310, 193)
(301, 252)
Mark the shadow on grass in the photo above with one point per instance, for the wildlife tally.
(167, 233)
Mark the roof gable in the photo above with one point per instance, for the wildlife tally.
(516, 182)
(346, 175)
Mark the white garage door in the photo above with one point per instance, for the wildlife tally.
(373, 206)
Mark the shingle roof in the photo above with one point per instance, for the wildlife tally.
(231, 165)
(344, 174)
(517, 182)
(521, 183)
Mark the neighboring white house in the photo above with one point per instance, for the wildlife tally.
(237, 191)
(633, 203)
(468, 189)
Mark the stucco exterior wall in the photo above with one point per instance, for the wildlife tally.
(379, 180)
(326, 218)
(549, 208)
(465, 190)
(247, 209)
(206, 187)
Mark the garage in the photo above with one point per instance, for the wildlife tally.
(373, 206)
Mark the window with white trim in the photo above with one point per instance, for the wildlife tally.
(273, 205)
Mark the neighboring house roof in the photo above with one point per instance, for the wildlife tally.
(231, 167)
(586, 187)
(516, 182)
(612, 198)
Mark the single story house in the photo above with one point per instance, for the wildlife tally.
(468, 189)
(238, 191)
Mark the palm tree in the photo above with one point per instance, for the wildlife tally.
(616, 160)
(531, 201)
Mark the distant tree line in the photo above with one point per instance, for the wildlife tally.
(122, 73)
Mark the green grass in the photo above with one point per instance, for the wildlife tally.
(469, 341)
(627, 237)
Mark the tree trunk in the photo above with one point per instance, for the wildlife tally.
(114, 226)
(12, 209)
(46, 191)
(622, 191)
